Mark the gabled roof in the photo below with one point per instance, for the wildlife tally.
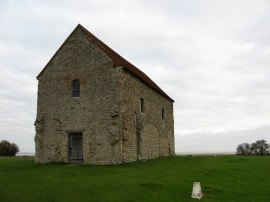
(117, 60)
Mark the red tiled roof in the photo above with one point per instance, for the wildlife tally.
(118, 61)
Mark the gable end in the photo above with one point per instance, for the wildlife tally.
(117, 61)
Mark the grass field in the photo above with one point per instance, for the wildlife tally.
(223, 178)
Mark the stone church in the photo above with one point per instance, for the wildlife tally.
(94, 107)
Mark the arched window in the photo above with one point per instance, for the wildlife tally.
(76, 88)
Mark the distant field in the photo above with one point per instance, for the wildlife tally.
(223, 178)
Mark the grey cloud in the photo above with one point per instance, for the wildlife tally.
(223, 141)
(211, 57)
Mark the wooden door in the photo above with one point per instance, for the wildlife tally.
(76, 147)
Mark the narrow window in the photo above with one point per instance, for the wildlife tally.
(76, 88)
(162, 113)
(142, 105)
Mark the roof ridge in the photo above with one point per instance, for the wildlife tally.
(120, 61)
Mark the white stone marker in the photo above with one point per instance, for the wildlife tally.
(197, 191)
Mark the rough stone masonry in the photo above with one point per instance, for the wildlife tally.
(94, 107)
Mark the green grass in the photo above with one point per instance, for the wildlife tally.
(223, 178)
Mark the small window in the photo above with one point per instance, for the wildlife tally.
(162, 113)
(142, 105)
(76, 88)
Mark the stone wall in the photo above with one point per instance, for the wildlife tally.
(145, 135)
(95, 112)
(107, 111)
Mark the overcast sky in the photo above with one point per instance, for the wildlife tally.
(211, 56)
